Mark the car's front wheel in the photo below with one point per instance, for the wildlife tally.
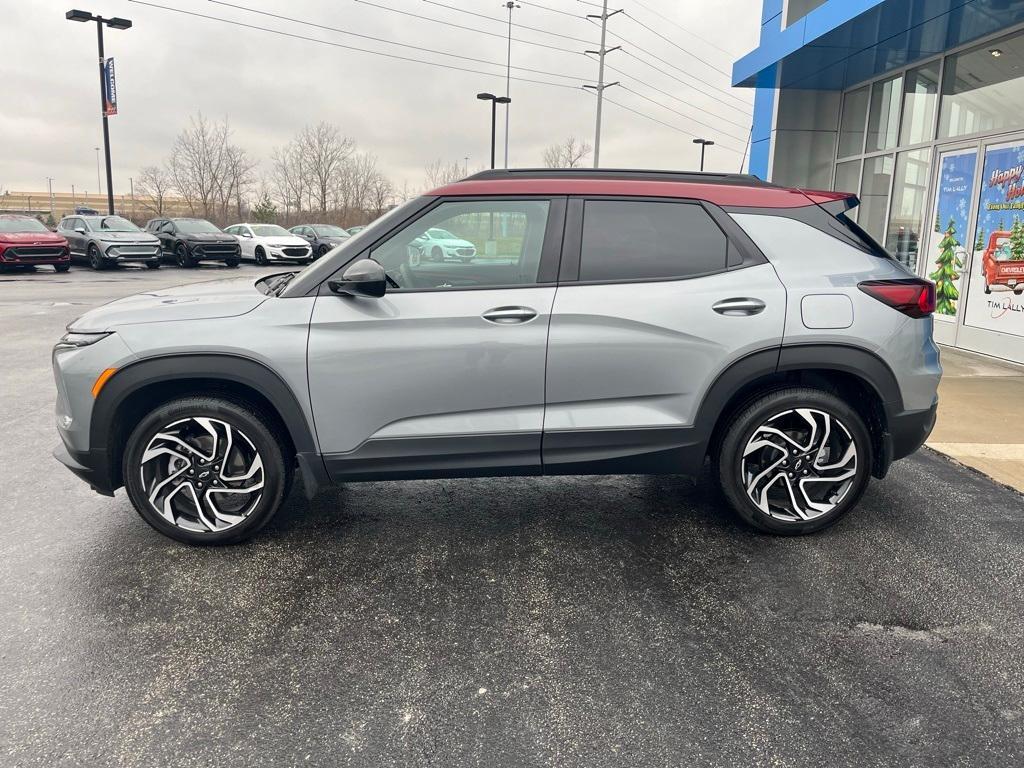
(794, 461)
(181, 256)
(261, 257)
(205, 470)
(96, 261)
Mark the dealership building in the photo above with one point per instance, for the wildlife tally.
(918, 107)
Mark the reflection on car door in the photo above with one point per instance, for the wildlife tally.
(438, 378)
(641, 327)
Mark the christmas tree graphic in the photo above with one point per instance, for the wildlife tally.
(979, 244)
(1016, 241)
(947, 275)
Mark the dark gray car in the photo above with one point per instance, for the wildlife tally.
(106, 241)
(189, 241)
(321, 237)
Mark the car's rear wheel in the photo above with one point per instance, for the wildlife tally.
(794, 461)
(261, 257)
(205, 470)
(182, 258)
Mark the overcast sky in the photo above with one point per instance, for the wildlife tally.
(171, 65)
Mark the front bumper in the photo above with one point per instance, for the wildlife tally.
(89, 466)
(217, 252)
(290, 254)
(125, 254)
(29, 256)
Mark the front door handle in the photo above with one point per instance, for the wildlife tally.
(509, 315)
(738, 306)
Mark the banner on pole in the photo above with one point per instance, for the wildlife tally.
(109, 89)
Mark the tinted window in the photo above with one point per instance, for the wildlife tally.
(637, 240)
(492, 243)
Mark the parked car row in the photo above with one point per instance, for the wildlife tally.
(106, 241)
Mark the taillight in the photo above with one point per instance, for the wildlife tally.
(913, 297)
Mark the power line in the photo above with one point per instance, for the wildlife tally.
(683, 29)
(553, 10)
(630, 54)
(346, 47)
(459, 26)
(658, 34)
(308, 23)
(662, 122)
(502, 21)
(681, 114)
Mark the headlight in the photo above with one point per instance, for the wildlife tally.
(73, 340)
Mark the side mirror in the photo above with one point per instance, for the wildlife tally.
(80, 230)
(364, 278)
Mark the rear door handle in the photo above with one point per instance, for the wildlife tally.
(738, 306)
(509, 315)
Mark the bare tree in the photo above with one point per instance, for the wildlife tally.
(288, 176)
(439, 172)
(324, 152)
(569, 154)
(200, 163)
(239, 180)
(382, 192)
(154, 185)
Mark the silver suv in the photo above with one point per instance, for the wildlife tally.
(610, 322)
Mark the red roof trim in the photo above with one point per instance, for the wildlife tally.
(719, 194)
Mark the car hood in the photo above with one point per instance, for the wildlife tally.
(285, 242)
(455, 243)
(126, 237)
(24, 238)
(198, 301)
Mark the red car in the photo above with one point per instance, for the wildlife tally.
(999, 266)
(25, 242)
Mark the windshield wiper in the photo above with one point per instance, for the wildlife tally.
(280, 283)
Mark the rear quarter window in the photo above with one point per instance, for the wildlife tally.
(638, 240)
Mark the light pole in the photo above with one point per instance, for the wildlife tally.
(99, 184)
(508, 73)
(114, 23)
(495, 101)
(49, 188)
(704, 144)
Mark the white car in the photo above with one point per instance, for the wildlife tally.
(266, 243)
(439, 244)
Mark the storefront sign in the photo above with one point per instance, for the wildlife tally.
(995, 301)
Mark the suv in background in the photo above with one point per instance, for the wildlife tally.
(106, 241)
(189, 241)
(624, 322)
(264, 243)
(321, 237)
(26, 242)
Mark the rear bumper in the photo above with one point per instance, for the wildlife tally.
(89, 466)
(907, 431)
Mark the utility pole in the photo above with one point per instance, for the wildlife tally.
(601, 85)
(99, 185)
(511, 4)
(131, 188)
(49, 188)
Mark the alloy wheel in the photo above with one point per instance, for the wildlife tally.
(202, 474)
(799, 464)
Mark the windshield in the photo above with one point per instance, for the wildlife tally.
(21, 225)
(270, 230)
(111, 224)
(196, 226)
(327, 230)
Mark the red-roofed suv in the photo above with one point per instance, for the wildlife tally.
(25, 242)
(609, 322)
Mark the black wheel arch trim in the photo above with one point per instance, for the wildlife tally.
(219, 367)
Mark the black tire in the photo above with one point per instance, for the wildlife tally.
(259, 427)
(988, 288)
(61, 267)
(727, 459)
(153, 264)
(231, 263)
(182, 258)
(1018, 291)
(96, 261)
(321, 252)
(436, 254)
(261, 257)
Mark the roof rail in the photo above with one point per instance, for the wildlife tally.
(694, 177)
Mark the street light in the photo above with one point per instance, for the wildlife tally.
(495, 101)
(114, 23)
(704, 144)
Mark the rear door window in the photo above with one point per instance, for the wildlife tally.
(649, 240)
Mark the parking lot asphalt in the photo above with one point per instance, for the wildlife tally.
(619, 621)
